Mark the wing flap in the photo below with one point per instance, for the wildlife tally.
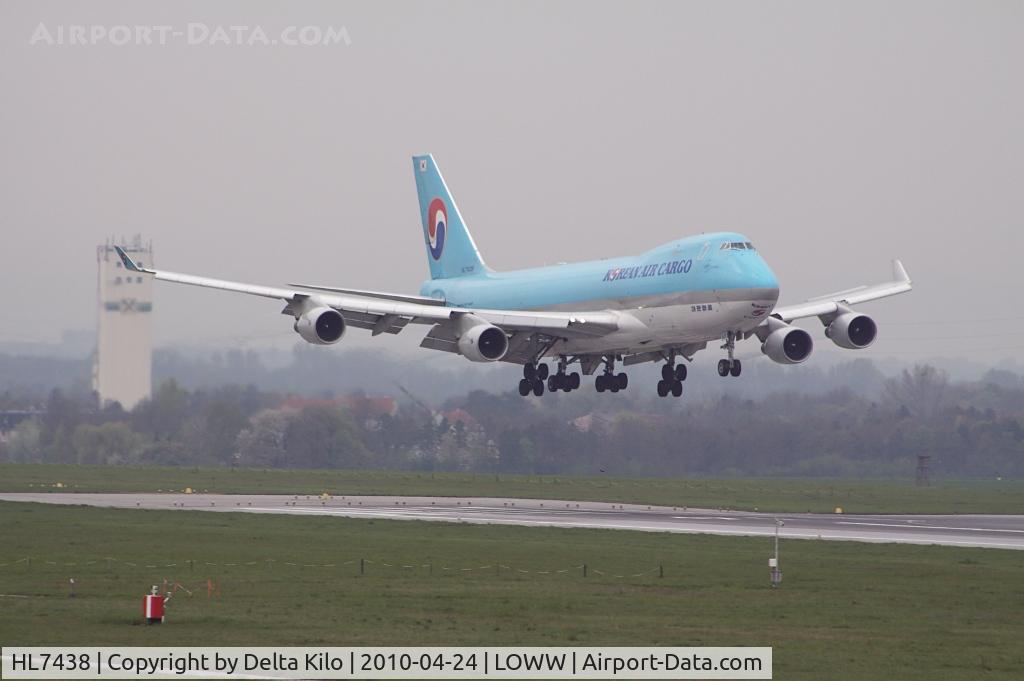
(401, 298)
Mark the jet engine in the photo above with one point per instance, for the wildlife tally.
(852, 331)
(483, 343)
(788, 344)
(321, 326)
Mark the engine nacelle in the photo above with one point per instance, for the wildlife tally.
(788, 345)
(321, 326)
(852, 331)
(483, 343)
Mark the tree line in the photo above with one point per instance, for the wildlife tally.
(969, 429)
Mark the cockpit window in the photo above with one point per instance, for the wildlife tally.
(736, 246)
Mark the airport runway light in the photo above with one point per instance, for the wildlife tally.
(773, 563)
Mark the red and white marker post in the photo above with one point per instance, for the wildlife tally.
(153, 606)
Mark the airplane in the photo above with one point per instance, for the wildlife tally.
(659, 306)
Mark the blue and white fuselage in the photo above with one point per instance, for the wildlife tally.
(684, 292)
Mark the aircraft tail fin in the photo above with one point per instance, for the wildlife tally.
(451, 251)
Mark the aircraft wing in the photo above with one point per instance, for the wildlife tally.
(831, 303)
(369, 310)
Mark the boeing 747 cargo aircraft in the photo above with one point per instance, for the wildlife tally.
(659, 306)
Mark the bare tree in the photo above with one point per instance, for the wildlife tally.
(922, 390)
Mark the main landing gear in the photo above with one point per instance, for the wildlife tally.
(535, 376)
(611, 381)
(672, 377)
(731, 366)
(563, 381)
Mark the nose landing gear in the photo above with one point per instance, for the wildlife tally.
(730, 366)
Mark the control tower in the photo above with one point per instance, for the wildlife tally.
(123, 368)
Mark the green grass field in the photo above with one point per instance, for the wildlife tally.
(769, 494)
(845, 610)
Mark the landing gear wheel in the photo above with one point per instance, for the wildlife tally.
(680, 372)
(736, 368)
(574, 380)
(667, 372)
(677, 388)
(723, 367)
(538, 387)
(599, 384)
(554, 383)
(663, 388)
(529, 372)
(621, 381)
(525, 387)
(542, 372)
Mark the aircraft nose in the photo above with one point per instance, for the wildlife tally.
(765, 277)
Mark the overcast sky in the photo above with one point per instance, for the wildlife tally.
(834, 135)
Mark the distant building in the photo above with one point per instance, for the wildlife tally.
(122, 371)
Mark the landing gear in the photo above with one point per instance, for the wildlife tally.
(672, 377)
(535, 376)
(564, 382)
(533, 379)
(560, 380)
(532, 372)
(526, 386)
(730, 366)
(611, 381)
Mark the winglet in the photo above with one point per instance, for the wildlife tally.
(129, 264)
(899, 273)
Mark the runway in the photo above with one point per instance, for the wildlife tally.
(987, 531)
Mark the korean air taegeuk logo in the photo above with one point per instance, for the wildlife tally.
(437, 227)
